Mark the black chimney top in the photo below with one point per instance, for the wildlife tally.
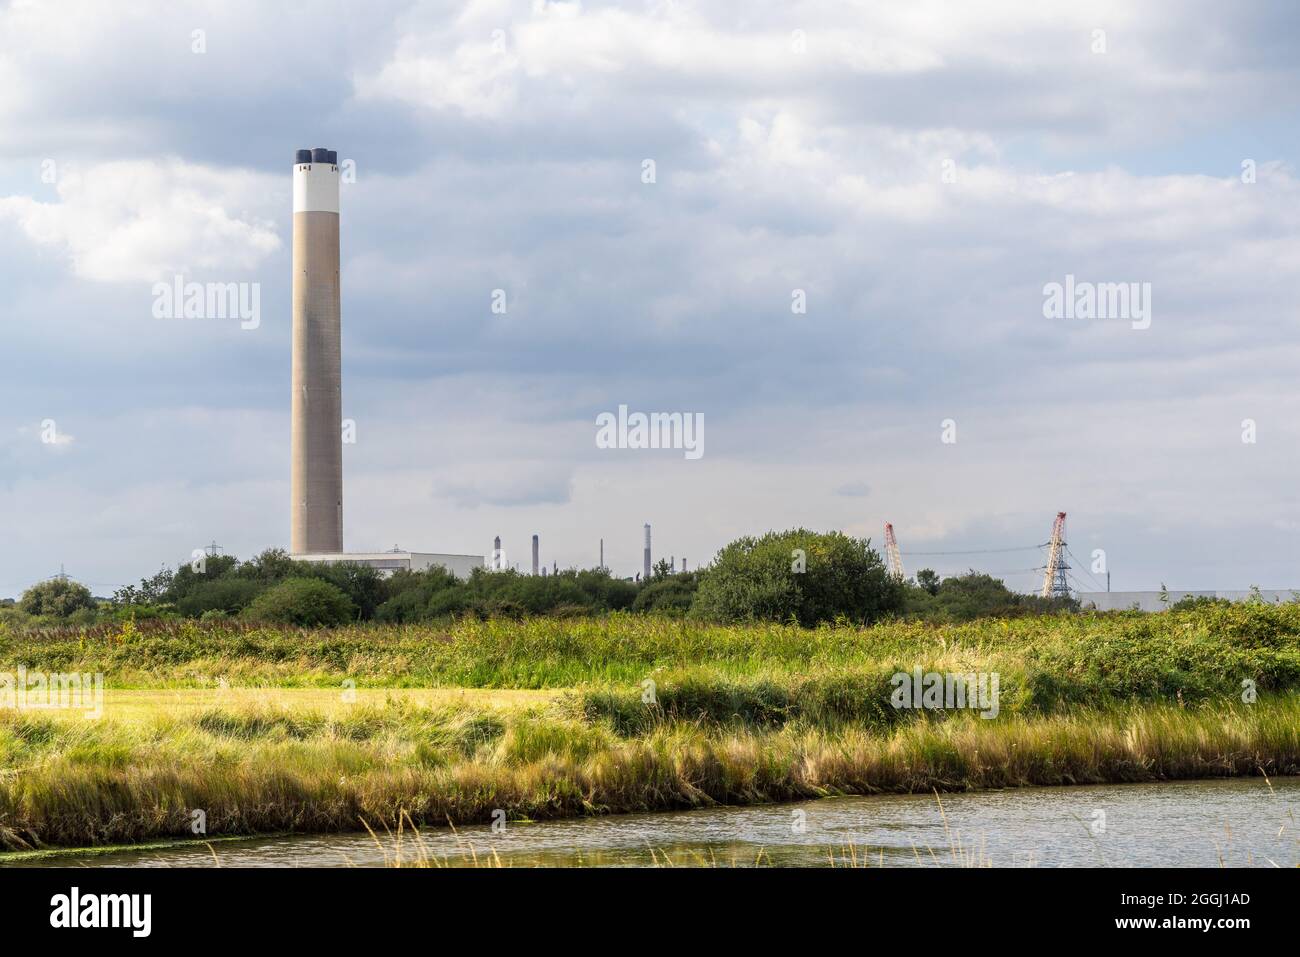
(319, 155)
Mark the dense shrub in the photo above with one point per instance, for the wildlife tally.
(364, 586)
(229, 596)
(704, 695)
(446, 603)
(56, 598)
(604, 590)
(673, 594)
(411, 595)
(798, 575)
(188, 579)
(795, 576)
(433, 594)
(971, 596)
(302, 601)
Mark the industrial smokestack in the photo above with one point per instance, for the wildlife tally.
(534, 554)
(316, 440)
(602, 554)
(646, 572)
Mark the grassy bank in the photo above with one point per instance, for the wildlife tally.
(263, 730)
(257, 770)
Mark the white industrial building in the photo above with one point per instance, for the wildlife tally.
(388, 562)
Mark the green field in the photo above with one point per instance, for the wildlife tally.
(276, 730)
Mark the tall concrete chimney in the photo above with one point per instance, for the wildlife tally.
(534, 554)
(645, 575)
(316, 440)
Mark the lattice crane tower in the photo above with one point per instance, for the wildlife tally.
(1055, 584)
(892, 557)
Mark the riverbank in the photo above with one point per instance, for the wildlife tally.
(255, 770)
(1226, 822)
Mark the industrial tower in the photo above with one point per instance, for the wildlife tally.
(1055, 584)
(892, 558)
(316, 439)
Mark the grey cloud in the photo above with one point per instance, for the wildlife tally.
(924, 298)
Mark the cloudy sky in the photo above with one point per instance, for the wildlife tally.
(919, 171)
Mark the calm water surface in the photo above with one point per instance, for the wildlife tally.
(1237, 822)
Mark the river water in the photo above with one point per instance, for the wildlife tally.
(1234, 822)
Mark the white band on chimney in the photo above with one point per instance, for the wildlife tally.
(315, 188)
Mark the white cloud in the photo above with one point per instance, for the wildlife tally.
(141, 220)
(477, 78)
(514, 164)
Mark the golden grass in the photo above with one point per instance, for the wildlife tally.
(260, 769)
(143, 705)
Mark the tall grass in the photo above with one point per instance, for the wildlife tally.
(737, 715)
(259, 770)
(1052, 660)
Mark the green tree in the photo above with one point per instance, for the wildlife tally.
(928, 580)
(302, 601)
(150, 591)
(974, 595)
(673, 594)
(186, 578)
(799, 575)
(229, 596)
(56, 598)
(271, 566)
(364, 585)
(411, 595)
(605, 591)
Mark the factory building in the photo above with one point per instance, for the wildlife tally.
(388, 562)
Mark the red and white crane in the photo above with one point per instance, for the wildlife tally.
(893, 559)
(1055, 583)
